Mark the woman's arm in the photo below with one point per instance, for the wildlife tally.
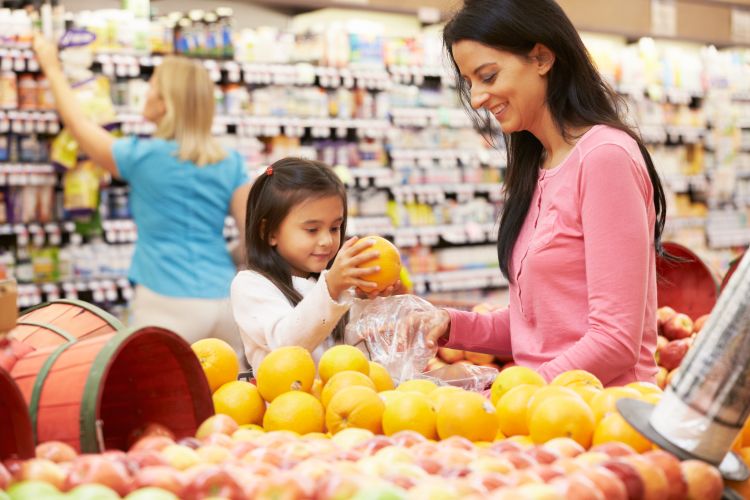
(480, 332)
(92, 139)
(614, 197)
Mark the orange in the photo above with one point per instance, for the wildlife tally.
(344, 379)
(388, 396)
(511, 377)
(410, 411)
(577, 377)
(341, 358)
(549, 391)
(605, 402)
(218, 360)
(317, 388)
(587, 392)
(417, 385)
(285, 369)
(469, 415)
(381, 377)
(355, 406)
(562, 416)
(241, 401)
(442, 395)
(295, 411)
(613, 427)
(511, 409)
(746, 433)
(645, 388)
(389, 262)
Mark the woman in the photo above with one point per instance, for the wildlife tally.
(584, 207)
(182, 186)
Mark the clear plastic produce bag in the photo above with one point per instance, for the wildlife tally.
(395, 328)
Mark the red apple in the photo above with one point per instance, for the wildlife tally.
(679, 326)
(664, 314)
(578, 487)
(431, 465)
(672, 354)
(670, 465)
(156, 443)
(372, 445)
(505, 445)
(525, 476)
(607, 482)
(456, 442)
(57, 451)
(408, 438)
(5, 478)
(487, 482)
(41, 469)
(704, 481)
(564, 446)
(614, 449)
(654, 480)
(13, 466)
(479, 358)
(519, 459)
(140, 459)
(548, 473)
(661, 341)
(100, 469)
(160, 476)
(542, 454)
(212, 481)
(629, 476)
(700, 323)
(434, 364)
(149, 429)
(450, 355)
(221, 424)
(661, 377)
(190, 442)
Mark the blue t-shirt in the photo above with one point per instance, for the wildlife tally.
(179, 209)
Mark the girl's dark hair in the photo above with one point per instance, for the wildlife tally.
(287, 183)
(576, 95)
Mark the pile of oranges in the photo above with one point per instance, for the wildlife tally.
(345, 390)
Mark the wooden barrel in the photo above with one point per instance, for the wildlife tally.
(60, 321)
(687, 285)
(732, 268)
(11, 351)
(16, 440)
(93, 393)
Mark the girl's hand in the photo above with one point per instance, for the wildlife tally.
(345, 273)
(46, 53)
(395, 289)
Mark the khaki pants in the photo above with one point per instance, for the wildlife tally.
(192, 319)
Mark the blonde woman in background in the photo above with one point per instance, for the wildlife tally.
(182, 185)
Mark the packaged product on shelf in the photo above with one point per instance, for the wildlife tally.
(81, 189)
(44, 98)
(27, 92)
(8, 90)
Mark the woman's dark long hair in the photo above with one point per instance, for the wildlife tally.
(287, 183)
(576, 95)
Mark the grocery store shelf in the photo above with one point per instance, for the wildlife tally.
(463, 279)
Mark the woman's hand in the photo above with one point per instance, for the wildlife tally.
(345, 273)
(433, 325)
(46, 53)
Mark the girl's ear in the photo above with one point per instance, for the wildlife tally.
(544, 58)
(262, 231)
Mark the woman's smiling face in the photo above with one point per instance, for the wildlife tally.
(511, 87)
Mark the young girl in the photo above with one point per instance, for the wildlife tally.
(297, 286)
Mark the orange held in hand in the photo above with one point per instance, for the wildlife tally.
(389, 262)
